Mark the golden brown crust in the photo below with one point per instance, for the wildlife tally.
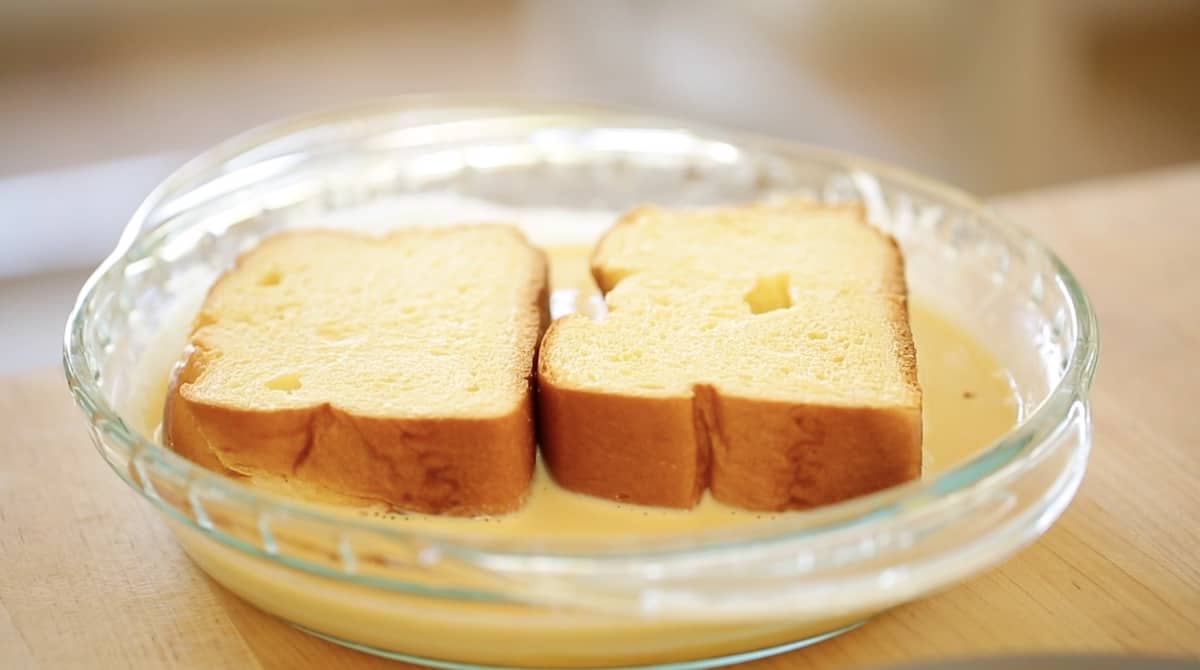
(180, 430)
(764, 454)
(446, 465)
(907, 354)
(781, 456)
(633, 449)
(440, 466)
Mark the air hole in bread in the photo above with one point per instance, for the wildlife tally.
(334, 331)
(770, 292)
(286, 382)
(271, 278)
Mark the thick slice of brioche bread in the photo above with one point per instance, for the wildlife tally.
(762, 352)
(394, 370)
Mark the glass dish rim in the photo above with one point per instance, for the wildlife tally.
(1002, 460)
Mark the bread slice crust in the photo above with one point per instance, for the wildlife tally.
(458, 463)
(762, 451)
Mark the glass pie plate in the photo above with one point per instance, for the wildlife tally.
(696, 600)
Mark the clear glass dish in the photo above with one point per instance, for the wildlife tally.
(699, 600)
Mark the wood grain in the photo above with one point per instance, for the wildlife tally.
(90, 577)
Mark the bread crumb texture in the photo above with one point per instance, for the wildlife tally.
(388, 370)
(762, 352)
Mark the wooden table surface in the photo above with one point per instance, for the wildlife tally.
(90, 576)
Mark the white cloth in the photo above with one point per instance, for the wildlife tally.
(71, 218)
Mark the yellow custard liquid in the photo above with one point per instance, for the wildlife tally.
(968, 403)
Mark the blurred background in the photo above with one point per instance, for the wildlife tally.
(100, 100)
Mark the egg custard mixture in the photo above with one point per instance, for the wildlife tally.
(968, 403)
